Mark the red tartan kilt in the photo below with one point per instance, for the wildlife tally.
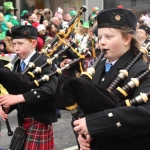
(39, 136)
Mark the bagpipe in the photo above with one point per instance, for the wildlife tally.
(70, 27)
(20, 83)
(92, 98)
(24, 78)
(124, 73)
(9, 66)
(147, 45)
(61, 35)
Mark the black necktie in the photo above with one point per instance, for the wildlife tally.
(107, 67)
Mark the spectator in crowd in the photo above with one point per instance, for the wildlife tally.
(56, 21)
(39, 14)
(8, 42)
(52, 30)
(22, 15)
(142, 19)
(60, 11)
(3, 27)
(66, 16)
(45, 23)
(92, 16)
(27, 19)
(41, 36)
(82, 36)
(73, 13)
(59, 15)
(142, 34)
(9, 15)
(3, 47)
(47, 13)
(34, 20)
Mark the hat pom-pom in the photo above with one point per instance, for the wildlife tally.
(120, 6)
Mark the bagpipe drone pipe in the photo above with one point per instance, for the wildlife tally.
(17, 83)
(62, 34)
(67, 29)
(92, 98)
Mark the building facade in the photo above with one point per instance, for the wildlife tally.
(66, 5)
(137, 6)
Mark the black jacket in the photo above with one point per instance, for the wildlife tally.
(39, 100)
(129, 127)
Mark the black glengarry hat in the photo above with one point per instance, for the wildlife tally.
(116, 18)
(145, 28)
(24, 31)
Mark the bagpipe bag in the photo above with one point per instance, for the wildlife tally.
(88, 96)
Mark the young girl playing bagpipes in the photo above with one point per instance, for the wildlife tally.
(107, 125)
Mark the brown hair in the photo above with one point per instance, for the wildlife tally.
(135, 46)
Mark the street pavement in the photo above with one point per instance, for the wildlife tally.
(63, 133)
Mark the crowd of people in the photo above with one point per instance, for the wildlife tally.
(119, 34)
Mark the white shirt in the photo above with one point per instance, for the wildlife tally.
(26, 61)
(113, 62)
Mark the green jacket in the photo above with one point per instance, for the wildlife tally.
(10, 18)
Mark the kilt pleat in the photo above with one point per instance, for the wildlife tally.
(39, 136)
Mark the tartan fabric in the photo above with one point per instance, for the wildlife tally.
(39, 136)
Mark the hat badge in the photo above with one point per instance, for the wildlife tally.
(117, 17)
(25, 32)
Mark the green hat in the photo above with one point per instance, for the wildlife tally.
(85, 25)
(73, 13)
(9, 6)
(23, 12)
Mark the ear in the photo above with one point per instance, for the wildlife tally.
(34, 43)
(127, 39)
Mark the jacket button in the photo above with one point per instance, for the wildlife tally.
(35, 92)
(38, 96)
(118, 124)
(110, 115)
